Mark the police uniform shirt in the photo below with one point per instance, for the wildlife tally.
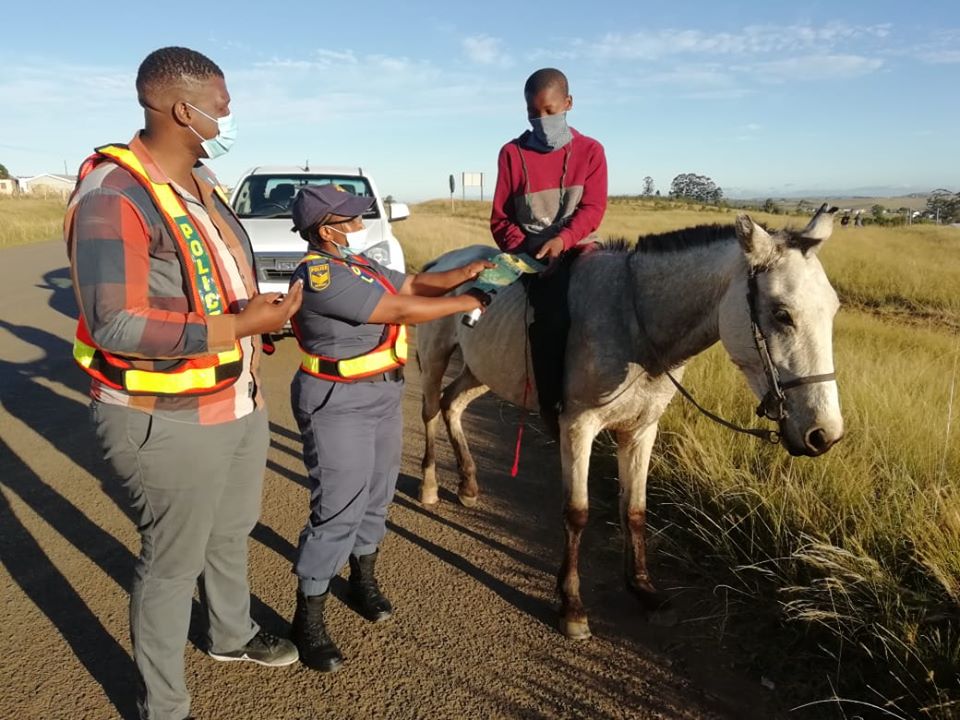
(338, 298)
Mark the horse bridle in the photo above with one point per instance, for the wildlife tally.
(772, 405)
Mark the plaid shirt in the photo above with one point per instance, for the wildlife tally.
(129, 284)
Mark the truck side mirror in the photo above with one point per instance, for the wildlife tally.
(397, 211)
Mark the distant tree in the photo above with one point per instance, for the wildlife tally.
(944, 205)
(4, 175)
(804, 208)
(657, 193)
(647, 186)
(769, 206)
(878, 211)
(691, 186)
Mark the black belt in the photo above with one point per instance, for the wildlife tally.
(395, 375)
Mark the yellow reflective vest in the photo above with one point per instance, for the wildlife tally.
(191, 376)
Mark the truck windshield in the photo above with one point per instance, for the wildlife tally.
(271, 195)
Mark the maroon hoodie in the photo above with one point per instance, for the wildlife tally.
(541, 195)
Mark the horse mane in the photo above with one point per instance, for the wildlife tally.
(673, 241)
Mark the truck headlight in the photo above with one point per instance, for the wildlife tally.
(379, 252)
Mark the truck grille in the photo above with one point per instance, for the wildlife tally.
(276, 268)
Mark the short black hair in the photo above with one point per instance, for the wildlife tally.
(170, 65)
(543, 79)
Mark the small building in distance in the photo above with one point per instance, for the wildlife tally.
(48, 185)
(9, 186)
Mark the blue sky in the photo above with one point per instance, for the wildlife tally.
(766, 98)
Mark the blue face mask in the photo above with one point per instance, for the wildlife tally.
(356, 240)
(226, 135)
(551, 131)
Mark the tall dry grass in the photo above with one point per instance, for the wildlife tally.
(860, 547)
(25, 220)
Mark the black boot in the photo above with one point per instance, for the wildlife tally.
(309, 633)
(364, 590)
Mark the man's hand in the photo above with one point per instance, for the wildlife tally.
(268, 312)
(483, 299)
(472, 270)
(552, 249)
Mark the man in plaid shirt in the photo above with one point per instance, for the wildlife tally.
(193, 458)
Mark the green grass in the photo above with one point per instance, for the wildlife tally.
(859, 548)
(862, 544)
(912, 271)
(26, 220)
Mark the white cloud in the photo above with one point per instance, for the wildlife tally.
(485, 50)
(704, 65)
(812, 68)
(941, 57)
(750, 40)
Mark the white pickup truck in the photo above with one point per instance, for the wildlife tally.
(262, 200)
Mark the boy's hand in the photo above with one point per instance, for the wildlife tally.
(552, 249)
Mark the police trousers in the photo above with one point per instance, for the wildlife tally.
(352, 440)
(195, 493)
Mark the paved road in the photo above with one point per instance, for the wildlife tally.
(475, 633)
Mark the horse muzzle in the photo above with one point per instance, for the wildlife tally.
(813, 443)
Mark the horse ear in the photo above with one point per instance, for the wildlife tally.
(817, 230)
(756, 242)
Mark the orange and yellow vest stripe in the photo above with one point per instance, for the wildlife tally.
(389, 354)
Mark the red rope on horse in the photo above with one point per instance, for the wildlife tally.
(526, 389)
(523, 417)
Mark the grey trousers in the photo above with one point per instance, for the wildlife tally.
(352, 442)
(195, 492)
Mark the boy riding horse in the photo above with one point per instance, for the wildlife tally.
(551, 195)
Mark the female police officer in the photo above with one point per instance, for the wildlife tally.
(346, 397)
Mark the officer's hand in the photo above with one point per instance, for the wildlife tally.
(268, 312)
(472, 270)
(552, 249)
(483, 299)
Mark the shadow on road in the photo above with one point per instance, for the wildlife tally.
(62, 299)
(30, 567)
(64, 423)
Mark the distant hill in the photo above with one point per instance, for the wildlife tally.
(914, 201)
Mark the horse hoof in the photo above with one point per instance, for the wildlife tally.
(576, 629)
(429, 499)
(467, 500)
(650, 597)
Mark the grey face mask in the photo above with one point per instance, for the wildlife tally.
(551, 131)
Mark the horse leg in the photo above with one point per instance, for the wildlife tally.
(633, 458)
(575, 444)
(432, 367)
(455, 399)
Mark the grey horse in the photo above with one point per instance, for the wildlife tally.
(637, 316)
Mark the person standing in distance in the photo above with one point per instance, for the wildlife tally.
(169, 331)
